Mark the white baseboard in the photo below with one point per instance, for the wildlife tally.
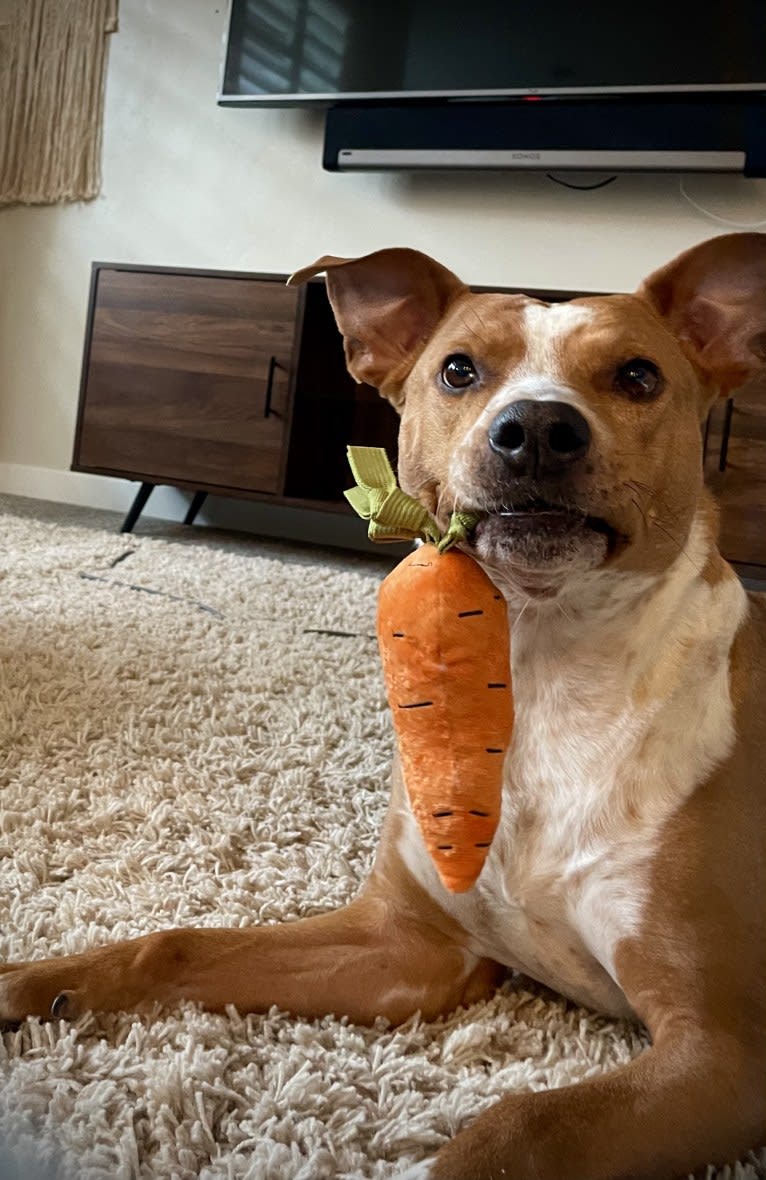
(250, 516)
(88, 491)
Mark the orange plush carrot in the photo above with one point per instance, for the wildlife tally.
(444, 643)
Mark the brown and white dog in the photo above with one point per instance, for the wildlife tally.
(629, 869)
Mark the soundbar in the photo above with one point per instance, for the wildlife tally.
(625, 133)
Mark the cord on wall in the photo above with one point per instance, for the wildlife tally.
(584, 188)
(684, 193)
(714, 216)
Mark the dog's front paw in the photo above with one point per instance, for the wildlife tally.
(59, 988)
(54, 988)
(112, 978)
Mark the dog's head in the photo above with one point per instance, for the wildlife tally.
(574, 429)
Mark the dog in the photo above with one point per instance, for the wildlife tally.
(628, 869)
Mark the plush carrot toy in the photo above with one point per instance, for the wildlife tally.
(444, 644)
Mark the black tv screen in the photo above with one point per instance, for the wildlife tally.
(296, 51)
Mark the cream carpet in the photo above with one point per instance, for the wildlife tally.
(195, 735)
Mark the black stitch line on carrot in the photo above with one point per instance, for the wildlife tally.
(466, 614)
(417, 705)
(497, 686)
(493, 750)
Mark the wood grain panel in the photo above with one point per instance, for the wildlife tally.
(176, 384)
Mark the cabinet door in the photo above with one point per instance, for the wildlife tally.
(188, 379)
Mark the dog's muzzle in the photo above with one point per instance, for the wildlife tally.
(538, 515)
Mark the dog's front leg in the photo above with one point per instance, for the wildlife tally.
(366, 960)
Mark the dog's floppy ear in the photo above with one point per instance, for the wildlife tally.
(713, 299)
(386, 305)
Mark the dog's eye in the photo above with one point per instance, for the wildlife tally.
(639, 378)
(458, 371)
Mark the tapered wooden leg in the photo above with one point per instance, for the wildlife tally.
(197, 502)
(726, 434)
(137, 507)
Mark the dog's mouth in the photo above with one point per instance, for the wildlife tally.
(538, 533)
(541, 516)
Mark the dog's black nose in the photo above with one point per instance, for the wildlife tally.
(539, 438)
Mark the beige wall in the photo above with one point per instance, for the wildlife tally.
(187, 183)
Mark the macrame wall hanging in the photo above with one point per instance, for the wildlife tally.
(53, 57)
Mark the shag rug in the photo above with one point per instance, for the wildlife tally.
(196, 735)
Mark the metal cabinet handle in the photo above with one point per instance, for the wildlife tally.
(273, 366)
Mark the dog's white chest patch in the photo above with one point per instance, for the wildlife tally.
(563, 880)
(607, 746)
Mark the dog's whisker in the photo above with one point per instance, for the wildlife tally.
(640, 508)
(679, 545)
(568, 617)
(523, 610)
(639, 486)
(635, 499)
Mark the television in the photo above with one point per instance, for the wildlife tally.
(293, 52)
(544, 85)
